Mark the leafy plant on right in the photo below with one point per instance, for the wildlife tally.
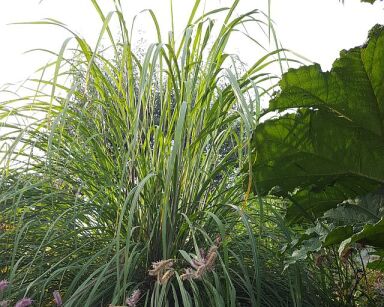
(324, 151)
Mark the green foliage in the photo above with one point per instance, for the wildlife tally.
(353, 221)
(111, 165)
(339, 245)
(331, 148)
(359, 211)
(324, 154)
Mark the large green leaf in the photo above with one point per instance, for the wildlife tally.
(315, 201)
(358, 212)
(371, 234)
(330, 145)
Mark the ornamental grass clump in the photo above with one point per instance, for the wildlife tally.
(116, 159)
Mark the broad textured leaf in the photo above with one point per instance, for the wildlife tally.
(362, 210)
(308, 246)
(311, 202)
(332, 147)
(356, 220)
(371, 234)
(337, 235)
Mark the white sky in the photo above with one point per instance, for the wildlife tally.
(316, 29)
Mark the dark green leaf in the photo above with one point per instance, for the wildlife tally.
(331, 147)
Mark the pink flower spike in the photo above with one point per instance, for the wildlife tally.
(24, 302)
(133, 299)
(57, 298)
(3, 285)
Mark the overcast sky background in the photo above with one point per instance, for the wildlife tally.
(316, 29)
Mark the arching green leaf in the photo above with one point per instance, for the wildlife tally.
(329, 147)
